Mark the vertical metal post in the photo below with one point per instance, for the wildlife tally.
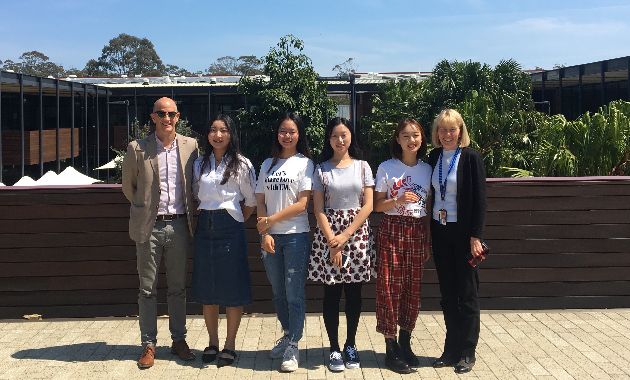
(57, 126)
(602, 75)
(1, 166)
(21, 78)
(209, 106)
(98, 132)
(41, 127)
(353, 103)
(109, 127)
(72, 123)
(560, 75)
(544, 93)
(128, 124)
(86, 154)
(580, 90)
(135, 104)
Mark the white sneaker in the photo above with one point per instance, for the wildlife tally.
(335, 364)
(290, 358)
(278, 350)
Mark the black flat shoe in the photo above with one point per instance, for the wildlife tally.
(209, 354)
(465, 364)
(444, 361)
(226, 357)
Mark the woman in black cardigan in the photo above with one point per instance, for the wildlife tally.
(459, 208)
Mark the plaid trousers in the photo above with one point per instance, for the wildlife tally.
(400, 244)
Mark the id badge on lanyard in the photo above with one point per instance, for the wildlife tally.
(442, 214)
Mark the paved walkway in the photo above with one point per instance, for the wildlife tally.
(566, 344)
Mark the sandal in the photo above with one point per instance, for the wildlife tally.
(226, 358)
(209, 354)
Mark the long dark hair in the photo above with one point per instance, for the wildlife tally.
(231, 156)
(327, 152)
(302, 143)
(396, 149)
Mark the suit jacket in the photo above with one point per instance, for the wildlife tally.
(471, 191)
(141, 183)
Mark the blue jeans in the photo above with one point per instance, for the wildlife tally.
(286, 271)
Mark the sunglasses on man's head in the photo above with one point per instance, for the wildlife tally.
(170, 114)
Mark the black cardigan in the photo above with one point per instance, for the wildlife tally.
(471, 191)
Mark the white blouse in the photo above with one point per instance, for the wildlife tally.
(212, 195)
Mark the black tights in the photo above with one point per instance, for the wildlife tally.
(332, 295)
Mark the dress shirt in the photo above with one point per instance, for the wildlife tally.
(171, 184)
(214, 196)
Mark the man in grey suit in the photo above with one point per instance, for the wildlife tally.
(157, 178)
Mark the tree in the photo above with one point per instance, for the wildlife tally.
(177, 71)
(345, 68)
(249, 65)
(243, 65)
(93, 68)
(128, 55)
(291, 85)
(396, 100)
(223, 66)
(35, 63)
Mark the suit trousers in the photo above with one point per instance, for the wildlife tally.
(459, 286)
(169, 240)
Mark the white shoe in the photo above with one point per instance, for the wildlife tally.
(290, 358)
(278, 350)
(335, 363)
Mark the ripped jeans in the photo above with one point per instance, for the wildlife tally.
(286, 271)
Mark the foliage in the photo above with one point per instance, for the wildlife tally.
(593, 144)
(178, 71)
(291, 85)
(345, 68)
(495, 103)
(127, 54)
(34, 63)
(243, 65)
(395, 101)
(453, 82)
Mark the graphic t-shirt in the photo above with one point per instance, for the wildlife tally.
(393, 177)
(281, 187)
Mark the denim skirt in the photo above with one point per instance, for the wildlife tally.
(220, 268)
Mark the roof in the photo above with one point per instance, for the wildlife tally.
(232, 80)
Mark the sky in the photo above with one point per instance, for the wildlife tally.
(380, 35)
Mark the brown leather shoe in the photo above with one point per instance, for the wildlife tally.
(147, 358)
(182, 351)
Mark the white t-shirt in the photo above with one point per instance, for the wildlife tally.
(281, 187)
(393, 177)
(212, 195)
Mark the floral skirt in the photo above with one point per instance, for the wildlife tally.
(360, 251)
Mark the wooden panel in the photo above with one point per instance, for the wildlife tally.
(550, 217)
(556, 243)
(11, 146)
(587, 231)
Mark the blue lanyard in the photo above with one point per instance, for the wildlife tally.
(450, 168)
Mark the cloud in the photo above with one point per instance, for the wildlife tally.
(563, 26)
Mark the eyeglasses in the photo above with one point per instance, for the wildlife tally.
(170, 114)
